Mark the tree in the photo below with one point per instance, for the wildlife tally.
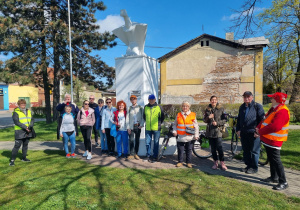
(283, 18)
(36, 32)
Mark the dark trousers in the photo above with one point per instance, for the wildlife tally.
(276, 167)
(251, 149)
(95, 132)
(110, 141)
(134, 141)
(187, 146)
(216, 145)
(86, 134)
(17, 146)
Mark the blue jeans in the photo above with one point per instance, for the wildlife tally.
(149, 135)
(103, 140)
(251, 149)
(72, 140)
(122, 138)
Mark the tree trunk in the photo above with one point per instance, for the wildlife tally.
(56, 81)
(45, 82)
(296, 86)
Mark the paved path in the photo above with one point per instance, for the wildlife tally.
(168, 162)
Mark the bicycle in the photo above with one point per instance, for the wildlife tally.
(201, 146)
(165, 142)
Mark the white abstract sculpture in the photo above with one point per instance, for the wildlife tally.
(132, 34)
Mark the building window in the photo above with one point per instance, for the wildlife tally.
(202, 43)
(207, 43)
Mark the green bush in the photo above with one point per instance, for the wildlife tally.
(295, 111)
(38, 111)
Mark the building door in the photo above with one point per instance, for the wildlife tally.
(27, 99)
(1, 102)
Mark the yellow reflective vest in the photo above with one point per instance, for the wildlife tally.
(23, 118)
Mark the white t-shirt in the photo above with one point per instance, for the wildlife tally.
(122, 122)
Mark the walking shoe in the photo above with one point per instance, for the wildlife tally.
(97, 144)
(130, 157)
(89, 156)
(137, 157)
(154, 159)
(189, 165)
(281, 186)
(85, 154)
(25, 160)
(223, 166)
(68, 155)
(12, 163)
(73, 155)
(178, 165)
(215, 166)
(244, 169)
(270, 180)
(251, 171)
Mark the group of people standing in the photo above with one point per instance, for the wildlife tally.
(124, 125)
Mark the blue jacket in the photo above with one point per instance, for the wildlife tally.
(107, 117)
(254, 116)
(61, 108)
(98, 115)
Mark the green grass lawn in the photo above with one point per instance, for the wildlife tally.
(44, 132)
(51, 181)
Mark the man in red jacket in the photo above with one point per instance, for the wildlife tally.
(273, 131)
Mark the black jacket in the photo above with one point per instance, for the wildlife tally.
(255, 115)
(211, 130)
(23, 134)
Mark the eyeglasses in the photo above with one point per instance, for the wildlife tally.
(86, 104)
(92, 98)
(108, 102)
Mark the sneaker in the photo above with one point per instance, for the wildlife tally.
(89, 156)
(178, 165)
(244, 169)
(137, 157)
(25, 160)
(97, 144)
(68, 155)
(73, 155)
(85, 154)
(154, 159)
(223, 166)
(130, 157)
(12, 163)
(189, 165)
(281, 186)
(215, 166)
(251, 171)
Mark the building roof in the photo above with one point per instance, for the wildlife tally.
(251, 43)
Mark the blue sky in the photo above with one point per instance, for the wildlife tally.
(170, 23)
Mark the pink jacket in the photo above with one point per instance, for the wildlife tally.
(82, 119)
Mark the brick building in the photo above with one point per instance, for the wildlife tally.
(209, 65)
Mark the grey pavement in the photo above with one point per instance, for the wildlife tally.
(168, 162)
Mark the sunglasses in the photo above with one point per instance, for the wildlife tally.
(108, 102)
(91, 98)
(86, 104)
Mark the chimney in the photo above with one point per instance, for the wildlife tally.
(230, 36)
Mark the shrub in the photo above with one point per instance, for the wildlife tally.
(38, 111)
(295, 111)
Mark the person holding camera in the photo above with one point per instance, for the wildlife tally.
(134, 122)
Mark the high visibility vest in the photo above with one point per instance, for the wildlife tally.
(23, 118)
(280, 135)
(152, 116)
(183, 123)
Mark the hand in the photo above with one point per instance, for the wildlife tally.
(211, 116)
(27, 129)
(115, 123)
(140, 127)
(103, 131)
(129, 131)
(174, 133)
(238, 133)
(214, 123)
(256, 130)
(256, 135)
(61, 135)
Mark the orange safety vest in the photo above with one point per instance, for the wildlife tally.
(280, 135)
(183, 123)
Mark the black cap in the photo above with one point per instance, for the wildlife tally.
(247, 93)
